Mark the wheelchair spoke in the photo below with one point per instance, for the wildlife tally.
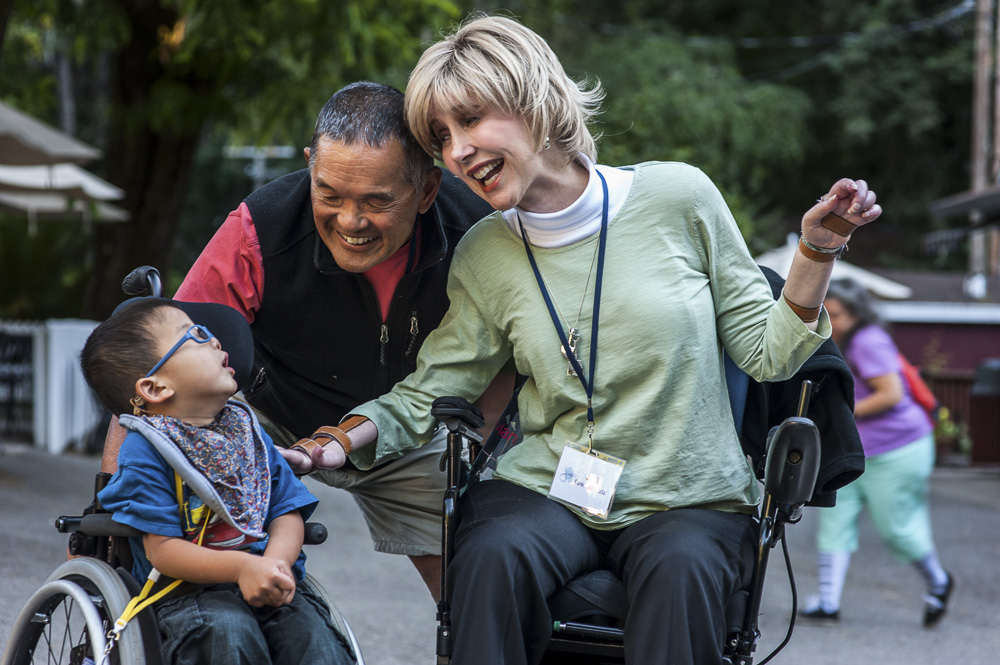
(66, 621)
(62, 636)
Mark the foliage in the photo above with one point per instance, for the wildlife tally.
(162, 73)
(951, 434)
(44, 273)
(668, 102)
(773, 105)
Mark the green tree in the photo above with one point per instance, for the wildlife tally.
(694, 106)
(163, 72)
(774, 102)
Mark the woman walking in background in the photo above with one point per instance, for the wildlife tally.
(899, 450)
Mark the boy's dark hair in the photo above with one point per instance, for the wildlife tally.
(120, 351)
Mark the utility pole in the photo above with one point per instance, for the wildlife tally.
(991, 239)
(982, 173)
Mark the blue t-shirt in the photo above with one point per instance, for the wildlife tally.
(142, 494)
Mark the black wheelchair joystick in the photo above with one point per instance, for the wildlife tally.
(790, 471)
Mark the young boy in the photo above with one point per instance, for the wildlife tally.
(239, 499)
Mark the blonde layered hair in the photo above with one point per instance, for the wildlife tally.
(497, 63)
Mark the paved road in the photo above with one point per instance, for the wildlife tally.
(393, 615)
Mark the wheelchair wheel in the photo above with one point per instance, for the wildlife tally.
(339, 622)
(68, 619)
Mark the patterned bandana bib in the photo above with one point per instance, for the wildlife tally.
(228, 454)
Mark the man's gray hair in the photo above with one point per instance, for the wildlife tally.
(372, 114)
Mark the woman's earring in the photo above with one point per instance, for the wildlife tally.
(546, 143)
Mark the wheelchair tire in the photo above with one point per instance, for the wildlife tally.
(339, 622)
(68, 618)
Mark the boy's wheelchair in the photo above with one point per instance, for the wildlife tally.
(70, 618)
(588, 614)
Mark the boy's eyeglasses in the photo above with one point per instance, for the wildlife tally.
(199, 334)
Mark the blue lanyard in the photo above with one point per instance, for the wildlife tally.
(588, 384)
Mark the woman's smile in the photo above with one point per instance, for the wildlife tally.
(488, 174)
(499, 159)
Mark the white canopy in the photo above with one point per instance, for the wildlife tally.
(58, 207)
(24, 140)
(67, 179)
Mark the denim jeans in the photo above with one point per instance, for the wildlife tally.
(213, 624)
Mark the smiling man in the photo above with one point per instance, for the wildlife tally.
(341, 269)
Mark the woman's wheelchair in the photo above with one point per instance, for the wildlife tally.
(588, 614)
(71, 617)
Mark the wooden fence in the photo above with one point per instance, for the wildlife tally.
(953, 390)
(977, 418)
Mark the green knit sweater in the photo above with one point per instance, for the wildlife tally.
(679, 285)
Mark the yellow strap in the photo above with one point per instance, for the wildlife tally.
(140, 602)
(179, 488)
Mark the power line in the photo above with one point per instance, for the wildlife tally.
(814, 41)
(880, 36)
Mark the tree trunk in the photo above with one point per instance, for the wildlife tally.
(155, 179)
(6, 6)
(150, 155)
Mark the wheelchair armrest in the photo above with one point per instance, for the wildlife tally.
(451, 409)
(95, 524)
(315, 534)
(102, 524)
(793, 456)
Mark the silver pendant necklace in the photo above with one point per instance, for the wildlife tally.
(573, 335)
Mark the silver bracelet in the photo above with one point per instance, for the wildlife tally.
(838, 251)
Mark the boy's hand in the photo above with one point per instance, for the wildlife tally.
(266, 581)
(301, 462)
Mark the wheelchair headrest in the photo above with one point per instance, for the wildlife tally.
(228, 326)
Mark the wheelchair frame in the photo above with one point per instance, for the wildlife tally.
(791, 468)
(71, 616)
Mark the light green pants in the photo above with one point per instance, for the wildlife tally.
(894, 489)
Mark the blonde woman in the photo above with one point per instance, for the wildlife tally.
(615, 291)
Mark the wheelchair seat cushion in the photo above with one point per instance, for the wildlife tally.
(598, 593)
(599, 596)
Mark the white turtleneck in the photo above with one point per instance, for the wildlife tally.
(582, 218)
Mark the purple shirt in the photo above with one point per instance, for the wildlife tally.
(872, 354)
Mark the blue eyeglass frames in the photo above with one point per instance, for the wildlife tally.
(199, 334)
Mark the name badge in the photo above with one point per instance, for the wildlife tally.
(586, 480)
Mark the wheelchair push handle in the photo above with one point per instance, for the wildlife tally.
(142, 279)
